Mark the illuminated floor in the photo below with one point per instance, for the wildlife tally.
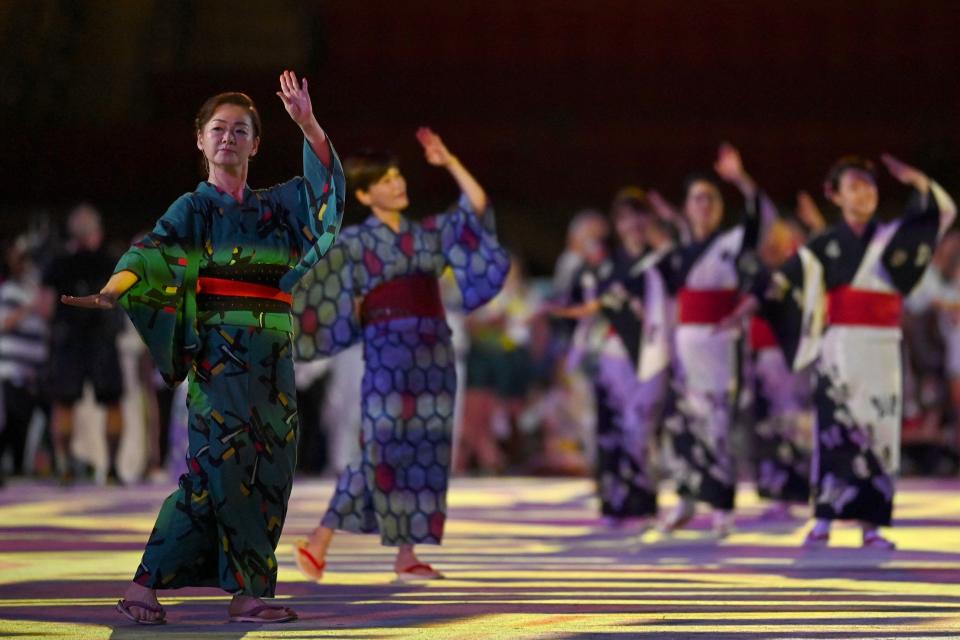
(526, 559)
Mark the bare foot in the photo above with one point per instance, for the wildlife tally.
(137, 593)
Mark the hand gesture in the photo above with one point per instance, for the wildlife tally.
(809, 213)
(296, 98)
(747, 306)
(905, 173)
(662, 207)
(95, 301)
(729, 165)
(436, 152)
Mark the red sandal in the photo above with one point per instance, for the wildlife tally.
(419, 573)
(306, 562)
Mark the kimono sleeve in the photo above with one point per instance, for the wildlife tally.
(314, 204)
(759, 214)
(324, 313)
(162, 303)
(794, 303)
(469, 244)
(927, 217)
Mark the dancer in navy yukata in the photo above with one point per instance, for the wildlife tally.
(837, 304)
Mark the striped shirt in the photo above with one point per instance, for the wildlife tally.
(23, 347)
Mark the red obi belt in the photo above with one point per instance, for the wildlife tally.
(706, 306)
(223, 294)
(414, 296)
(761, 334)
(849, 306)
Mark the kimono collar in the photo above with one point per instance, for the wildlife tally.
(214, 192)
(864, 238)
(373, 222)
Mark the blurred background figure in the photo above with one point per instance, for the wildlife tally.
(24, 329)
(931, 331)
(83, 341)
(499, 377)
(588, 230)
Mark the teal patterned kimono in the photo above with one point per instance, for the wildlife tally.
(220, 528)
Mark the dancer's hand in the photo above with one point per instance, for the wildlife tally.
(747, 307)
(906, 174)
(662, 207)
(729, 166)
(296, 98)
(116, 286)
(809, 213)
(95, 301)
(435, 151)
(438, 155)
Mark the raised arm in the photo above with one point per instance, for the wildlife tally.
(438, 155)
(296, 100)
(933, 199)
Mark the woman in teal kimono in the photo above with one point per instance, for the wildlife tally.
(379, 286)
(207, 291)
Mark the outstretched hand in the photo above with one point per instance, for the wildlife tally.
(296, 98)
(95, 301)
(905, 173)
(436, 152)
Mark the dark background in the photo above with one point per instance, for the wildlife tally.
(553, 104)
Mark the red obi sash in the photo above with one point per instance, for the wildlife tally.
(706, 306)
(414, 296)
(240, 289)
(761, 334)
(846, 305)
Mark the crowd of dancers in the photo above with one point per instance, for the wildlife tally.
(683, 323)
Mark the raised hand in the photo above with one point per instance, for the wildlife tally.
(905, 173)
(729, 164)
(435, 151)
(95, 301)
(296, 98)
(809, 213)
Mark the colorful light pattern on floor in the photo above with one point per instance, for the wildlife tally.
(526, 558)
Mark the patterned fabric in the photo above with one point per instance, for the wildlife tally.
(398, 485)
(852, 469)
(782, 428)
(221, 527)
(697, 427)
(627, 411)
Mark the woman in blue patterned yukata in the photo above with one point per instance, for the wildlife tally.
(207, 290)
(379, 286)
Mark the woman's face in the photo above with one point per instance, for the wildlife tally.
(856, 195)
(389, 193)
(227, 139)
(704, 207)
